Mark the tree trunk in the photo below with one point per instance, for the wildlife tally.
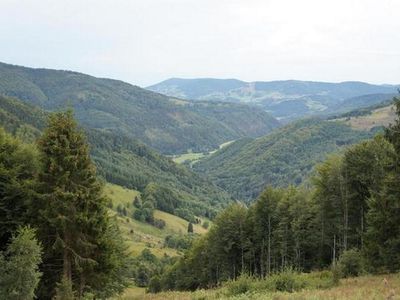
(269, 245)
(67, 264)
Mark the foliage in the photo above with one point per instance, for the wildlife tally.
(169, 125)
(125, 161)
(74, 225)
(353, 205)
(190, 228)
(286, 156)
(206, 224)
(383, 218)
(64, 290)
(179, 242)
(19, 266)
(350, 263)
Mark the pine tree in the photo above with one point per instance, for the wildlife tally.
(18, 169)
(19, 266)
(77, 230)
(190, 227)
(383, 219)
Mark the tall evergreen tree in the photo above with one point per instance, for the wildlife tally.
(383, 219)
(19, 266)
(77, 235)
(18, 169)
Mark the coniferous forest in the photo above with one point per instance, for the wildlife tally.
(202, 150)
(60, 241)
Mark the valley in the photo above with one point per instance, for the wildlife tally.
(192, 215)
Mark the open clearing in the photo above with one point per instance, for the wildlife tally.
(379, 117)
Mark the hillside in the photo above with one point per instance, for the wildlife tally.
(364, 101)
(125, 161)
(140, 235)
(167, 124)
(286, 156)
(370, 117)
(285, 100)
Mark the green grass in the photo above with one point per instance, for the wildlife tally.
(140, 235)
(120, 195)
(194, 157)
(379, 117)
(358, 288)
(191, 157)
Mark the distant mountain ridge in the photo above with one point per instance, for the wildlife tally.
(286, 99)
(168, 124)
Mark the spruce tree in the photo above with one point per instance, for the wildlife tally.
(19, 266)
(383, 219)
(78, 232)
(18, 169)
(190, 227)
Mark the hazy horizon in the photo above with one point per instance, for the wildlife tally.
(145, 42)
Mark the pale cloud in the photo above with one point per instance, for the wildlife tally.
(145, 41)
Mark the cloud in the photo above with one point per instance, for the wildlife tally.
(145, 41)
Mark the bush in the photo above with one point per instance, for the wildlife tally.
(288, 281)
(159, 223)
(206, 224)
(155, 285)
(350, 263)
(336, 273)
(239, 286)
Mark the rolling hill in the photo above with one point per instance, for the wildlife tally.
(125, 161)
(286, 100)
(170, 125)
(286, 156)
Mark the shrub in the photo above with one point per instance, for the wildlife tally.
(239, 286)
(206, 224)
(350, 263)
(155, 284)
(159, 223)
(288, 281)
(320, 280)
(336, 273)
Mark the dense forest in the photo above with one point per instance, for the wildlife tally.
(59, 240)
(169, 125)
(126, 161)
(55, 229)
(348, 219)
(286, 156)
(313, 201)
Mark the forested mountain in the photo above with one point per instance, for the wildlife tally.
(167, 124)
(345, 221)
(360, 102)
(125, 161)
(286, 100)
(286, 156)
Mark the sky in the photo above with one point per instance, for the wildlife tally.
(147, 41)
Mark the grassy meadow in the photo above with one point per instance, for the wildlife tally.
(140, 235)
(379, 117)
(358, 288)
(193, 157)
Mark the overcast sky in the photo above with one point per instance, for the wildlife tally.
(146, 41)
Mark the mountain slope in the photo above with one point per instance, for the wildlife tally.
(124, 161)
(286, 156)
(286, 100)
(359, 102)
(168, 124)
